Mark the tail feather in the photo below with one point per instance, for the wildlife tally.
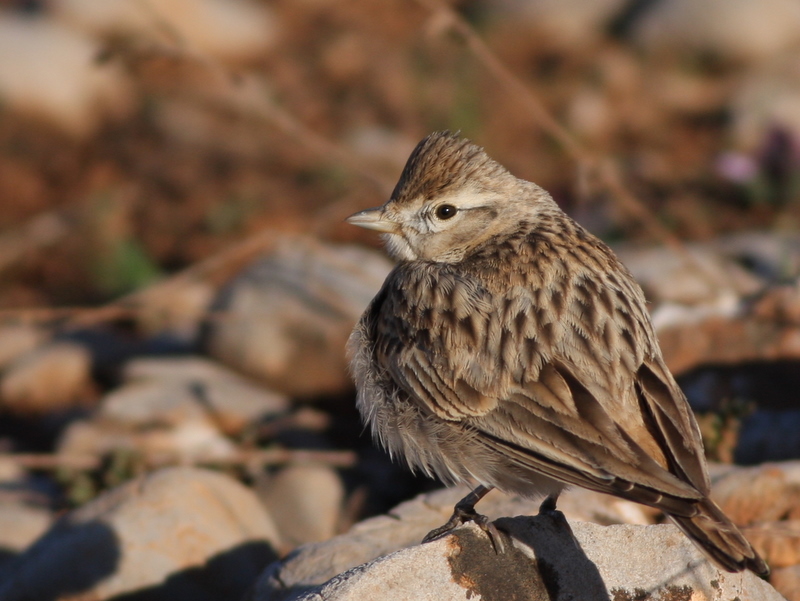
(720, 539)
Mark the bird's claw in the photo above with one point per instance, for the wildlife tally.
(462, 515)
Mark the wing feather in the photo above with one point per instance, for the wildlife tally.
(487, 362)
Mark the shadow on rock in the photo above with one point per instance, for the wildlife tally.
(225, 576)
(69, 560)
(560, 568)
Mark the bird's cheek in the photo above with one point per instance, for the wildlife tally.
(398, 247)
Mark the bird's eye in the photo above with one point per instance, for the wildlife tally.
(445, 211)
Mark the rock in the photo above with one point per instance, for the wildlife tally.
(760, 494)
(565, 23)
(732, 333)
(50, 71)
(173, 409)
(769, 255)
(787, 582)
(546, 558)
(286, 318)
(767, 100)
(232, 29)
(17, 340)
(667, 279)
(178, 533)
(306, 503)
(177, 311)
(174, 389)
(737, 308)
(87, 438)
(11, 472)
(577, 504)
(407, 523)
(191, 441)
(20, 525)
(765, 501)
(777, 542)
(739, 30)
(52, 377)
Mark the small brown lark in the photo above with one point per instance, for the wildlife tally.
(510, 348)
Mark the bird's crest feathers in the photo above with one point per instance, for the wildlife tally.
(443, 163)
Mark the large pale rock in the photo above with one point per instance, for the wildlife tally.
(407, 523)
(177, 311)
(767, 99)
(757, 494)
(174, 389)
(191, 441)
(787, 582)
(286, 318)
(20, 525)
(174, 409)
(667, 277)
(545, 558)
(732, 29)
(725, 308)
(306, 503)
(178, 533)
(232, 29)
(49, 71)
(311, 565)
(48, 378)
(566, 23)
(765, 500)
(17, 340)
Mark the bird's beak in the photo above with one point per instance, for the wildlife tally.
(373, 219)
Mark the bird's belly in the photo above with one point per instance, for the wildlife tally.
(448, 450)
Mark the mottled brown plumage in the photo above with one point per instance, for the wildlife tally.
(510, 347)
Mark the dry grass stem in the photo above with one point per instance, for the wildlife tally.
(268, 457)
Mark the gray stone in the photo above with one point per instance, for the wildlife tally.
(178, 533)
(306, 503)
(666, 278)
(174, 410)
(172, 390)
(787, 582)
(740, 30)
(545, 558)
(17, 340)
(286, 318)
(21, 524)
(224, 30)
(407, 523)
(48, 378)
(46, 71)
(766, 100)
(563, 23)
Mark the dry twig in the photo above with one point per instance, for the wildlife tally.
(259, 458)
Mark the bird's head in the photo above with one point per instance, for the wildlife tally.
(451, 198)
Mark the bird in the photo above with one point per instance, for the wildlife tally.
(509, 348)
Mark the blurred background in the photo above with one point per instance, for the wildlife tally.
(176, 281)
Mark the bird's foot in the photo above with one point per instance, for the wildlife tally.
(462, 514)
(548, 505)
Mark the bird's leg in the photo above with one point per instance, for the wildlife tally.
(463, 512)
(549, 504)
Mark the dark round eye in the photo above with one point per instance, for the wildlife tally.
(445, 211)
